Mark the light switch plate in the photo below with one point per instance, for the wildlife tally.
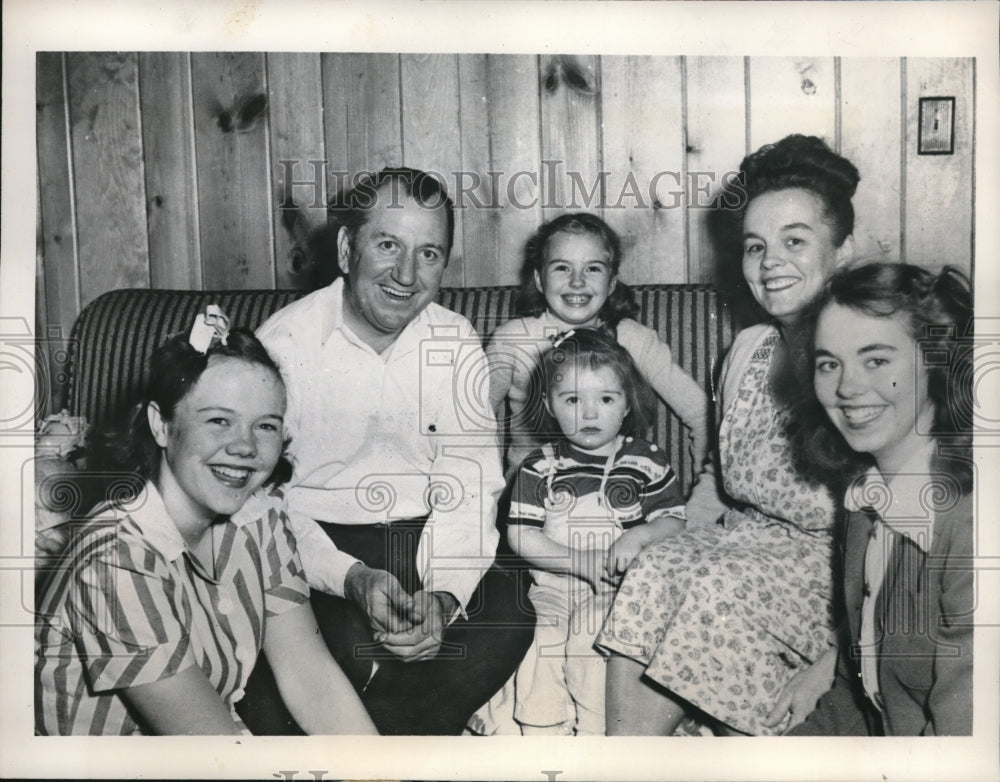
(936, 126)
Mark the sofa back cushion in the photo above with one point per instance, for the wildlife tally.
(115, 335)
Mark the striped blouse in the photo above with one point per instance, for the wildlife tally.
(132, 606)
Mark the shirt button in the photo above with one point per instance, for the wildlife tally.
(237, 696)
(224, 606)
(245, 655)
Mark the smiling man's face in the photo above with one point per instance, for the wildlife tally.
(394, 266)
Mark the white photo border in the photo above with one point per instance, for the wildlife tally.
(920, 29)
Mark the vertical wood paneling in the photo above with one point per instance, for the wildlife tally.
(641, 103)
(472, 189)
(168, 150)
(233, 193)
(55, 185)
(295, 93)
(515, 155)
(791, 95)
(334, 73)
(571, 137)
(431, 134)
(716, 143)
(139, 185)
(938, 196)
(869, 116)
(364, 88)
(108, 172)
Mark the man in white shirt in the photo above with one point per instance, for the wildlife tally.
(393, 498)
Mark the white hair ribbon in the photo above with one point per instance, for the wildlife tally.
(558, 339)
(207, 326)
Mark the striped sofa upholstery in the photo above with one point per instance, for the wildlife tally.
(114, 336)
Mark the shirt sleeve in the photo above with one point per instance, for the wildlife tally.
(672, 383)
(501, 368)
(513, 347)
(663, 492)
(459, 541)
(950, 698)
(324, 564)
(286, 586)
(501, 375)
(527, 506)
(129, 619)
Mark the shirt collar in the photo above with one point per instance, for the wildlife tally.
(333, 320)
(150, 515)
(905, 501)
(332, 312)
(552, 327)
(566, 450)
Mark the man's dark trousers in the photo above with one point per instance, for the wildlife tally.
(428, 697)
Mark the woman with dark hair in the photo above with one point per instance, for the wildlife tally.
(155, 616)
(730, 618)
(892, 371)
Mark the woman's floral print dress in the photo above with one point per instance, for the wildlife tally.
(723, 617)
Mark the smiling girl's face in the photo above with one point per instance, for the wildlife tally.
(576, 279)
(223, 441)
(867, 378)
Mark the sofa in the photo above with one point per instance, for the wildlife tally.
(112, 339)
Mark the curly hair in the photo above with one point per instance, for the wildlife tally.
(796, 161)
(937, 310)
(531, 302)
(593, 349)
(804, 162)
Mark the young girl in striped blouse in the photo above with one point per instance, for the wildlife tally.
(154, 618)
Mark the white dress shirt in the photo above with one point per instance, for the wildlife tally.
(382, 437)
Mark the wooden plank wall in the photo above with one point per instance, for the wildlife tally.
(159, 169)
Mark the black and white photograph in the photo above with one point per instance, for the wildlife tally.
(535, 390)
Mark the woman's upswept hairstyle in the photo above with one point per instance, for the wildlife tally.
(174, 369)
(531, 301)
(937, 310)
(796, 161)
(594, 349)
(804, 162)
